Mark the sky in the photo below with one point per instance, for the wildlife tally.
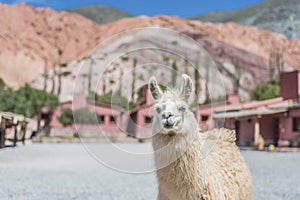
(183, 8)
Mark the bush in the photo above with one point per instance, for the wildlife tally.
(2, 84)
(85, 116)
(66, 117)
(267, 90)
(112, 99)
(296, 141)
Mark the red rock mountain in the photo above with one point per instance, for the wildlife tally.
(33, 39)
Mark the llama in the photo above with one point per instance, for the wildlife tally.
(191, 164)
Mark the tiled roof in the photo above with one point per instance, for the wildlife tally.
(249, 112)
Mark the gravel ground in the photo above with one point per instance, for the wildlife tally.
(67, 171)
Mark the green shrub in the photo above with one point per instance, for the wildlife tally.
(112, 99)
(66, 117)
(85, 116)
(266, 90)
(26, 101)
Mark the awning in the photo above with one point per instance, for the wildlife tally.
(12, 116)
(247, 113)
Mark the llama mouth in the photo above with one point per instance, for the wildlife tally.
(168, 125)
(171, 134)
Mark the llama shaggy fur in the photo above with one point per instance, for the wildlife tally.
(192, 164)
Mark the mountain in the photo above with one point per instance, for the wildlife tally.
(232, 47)
(101, 14)
(155, 51)
(34, 40)
(249, 39)
(281, 16)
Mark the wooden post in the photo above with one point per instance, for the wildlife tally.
(256, 131)
(15, 124)
(23, 131)
(15, 135)
(2, 132)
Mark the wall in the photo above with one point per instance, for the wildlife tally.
(288, 124)
(118, 126)
(144, 129)
(285, 128)
(246, 131)
(206, 110)
(289, 85)
(55, 123)
(107, 125)
(268, 129)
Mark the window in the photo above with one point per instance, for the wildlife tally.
(204, 118)
(112, 119)
(100, 119)
(296, 124)
(147, 119)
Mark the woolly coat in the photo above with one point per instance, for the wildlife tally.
(209, 167)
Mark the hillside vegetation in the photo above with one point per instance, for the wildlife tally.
(101, 14)
(281, 16)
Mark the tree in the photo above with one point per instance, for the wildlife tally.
(112, 99)
(2, 84)
(7, 100)
(237, 75)
(133, 78)
(266, 90)
(120, 80)
(276, 63)
(197, 77)
(85, 116)
(104, 83)
(26, 101)
(53, 80)
(61, 74)
(45, 75)
(174, 73)
(90, 74)
(207, 79)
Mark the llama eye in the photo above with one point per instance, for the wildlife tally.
(157, 109)
(182, 108)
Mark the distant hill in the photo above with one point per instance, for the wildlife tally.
(101, 14)
(34, 40)
(281, 16)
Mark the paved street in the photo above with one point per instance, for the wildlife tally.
(67, 171)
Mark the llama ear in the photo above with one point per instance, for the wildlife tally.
(186, 87)
(154, 88)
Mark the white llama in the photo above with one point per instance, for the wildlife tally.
(186, 170)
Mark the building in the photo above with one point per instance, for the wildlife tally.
(139, 121)
(13, 128)
(276, 120)
(109, 118)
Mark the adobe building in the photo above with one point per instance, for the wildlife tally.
(139, 121)
(110, 118)
(276, 120)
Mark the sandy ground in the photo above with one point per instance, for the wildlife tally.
(68, 171)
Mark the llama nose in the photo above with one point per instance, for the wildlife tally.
(166, 115)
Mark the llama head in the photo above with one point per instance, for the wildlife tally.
(171, 106)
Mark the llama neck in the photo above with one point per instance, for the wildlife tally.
(181, 146)
(180, 162)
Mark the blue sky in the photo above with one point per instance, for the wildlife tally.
(182, 8)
